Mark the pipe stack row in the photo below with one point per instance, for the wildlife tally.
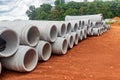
(24, 43)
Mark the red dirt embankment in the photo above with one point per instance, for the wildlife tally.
(96, 58)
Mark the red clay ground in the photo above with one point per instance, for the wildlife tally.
(96, 58)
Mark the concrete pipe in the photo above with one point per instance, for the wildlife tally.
(74, 25)
(82, 24)
(9, 42)
(43, 50)
(96, 31)
(0, 68)
(70, 40)
(101, 29)
(69, 27)
(48, 30)
(84, 33)
(107, 26)
(90, 31)
(62, 29)
(28, 33)
(86, 28)
(80, 37)
(60, 46)
(95, 17)
(75, 37)
(25, 60)
(86, 22)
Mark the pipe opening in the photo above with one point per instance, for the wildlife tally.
(79, 23)
(69, 28)
(89, 21)
(75, 27)
(9, 43)
(76, 39)
(63, 30)
(71, 42)
(46, 51)
(53, 33)
(91, 31)
(64, 46)
(33, 35)
(2, 44)
(30, 60)
(83, 24)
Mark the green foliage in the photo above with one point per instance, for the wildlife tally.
(46, 12)
(57, 2)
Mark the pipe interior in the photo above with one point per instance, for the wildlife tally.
(75, 27)
(69, 28)
(76, 38)
(79, 23)
(30, 59)
(63, 30)
(71, 41)
(64, 46)
(53, 33)
(12, 42)
(83, 23)
(46, 51)
(33, 35)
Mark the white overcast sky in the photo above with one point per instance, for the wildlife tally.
(15, 9)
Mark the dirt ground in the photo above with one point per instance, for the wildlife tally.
(96, 58)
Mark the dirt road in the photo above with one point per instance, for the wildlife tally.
(96, 58)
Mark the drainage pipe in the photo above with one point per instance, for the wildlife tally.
(25, 60)
(9, 42)
(48, 30)
(95, 17)
(75, 37)
(43, 50)
(90, 31)
(74, 25)
(60, 46)
(68, 26)
(70, 40)
(96, 31)
(84, 33)
(28, 33)
(80, 36)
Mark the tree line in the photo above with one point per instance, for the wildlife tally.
(109, 9)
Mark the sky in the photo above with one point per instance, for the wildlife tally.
(16, 9)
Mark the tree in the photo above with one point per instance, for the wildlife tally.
(46, 7)
(109, 9)
(31, 12)
(57, 2)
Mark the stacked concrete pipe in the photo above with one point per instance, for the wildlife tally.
(74, 25)
(24, 60)
(90, 31)
(9, 42)
(75, 37)
(48, 30)
(28, 33)
(70, 40)
(32, 40)
(84, 33)
(95, 17)
(80, 36)
(61, 27)
(43, 50)
(68, 27)
(60, 46)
